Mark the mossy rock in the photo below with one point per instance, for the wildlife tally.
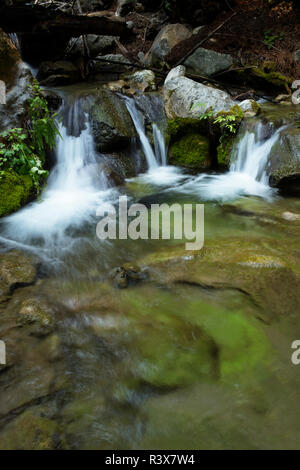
(263, 78)
(190, 151)
(15, 191)
(180, 126)
(224, 151)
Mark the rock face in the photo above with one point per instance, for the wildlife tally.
(143, 80)
(58, 73)
(207, 62)
(107, 67)
(168, 37)
(186, 98)
(284, 162)
(111, 123)
(17, 78)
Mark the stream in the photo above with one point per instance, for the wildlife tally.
(196, 354)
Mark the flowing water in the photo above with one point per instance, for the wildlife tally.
(195, 356)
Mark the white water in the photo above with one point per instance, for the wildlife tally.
(138, 121)
(76, 186)
(247, 175)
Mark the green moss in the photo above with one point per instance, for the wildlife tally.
(191, 151)
(224, 152)
(15, 191)
(179, 126)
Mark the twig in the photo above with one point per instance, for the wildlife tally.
(183, 59)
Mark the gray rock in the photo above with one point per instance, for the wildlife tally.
(115, 67)
(284, 162)
(249, 107)
(111, 123)
(97, 45)
(166, 39)
(184, 97)
(207, 62)
(178, 71)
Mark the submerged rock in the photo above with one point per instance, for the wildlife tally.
(17, 269)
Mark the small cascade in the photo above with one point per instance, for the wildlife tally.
(247, 175)
(139, 122)
(159, 145)
(75, 187)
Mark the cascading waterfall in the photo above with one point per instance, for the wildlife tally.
(139, 122)
(75, 187)
(247, 175)
(159, 173)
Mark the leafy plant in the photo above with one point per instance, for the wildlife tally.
(270, 38)
(16, 154)
(44, 127)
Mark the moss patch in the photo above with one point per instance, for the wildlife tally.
(224, 152)
(15, 191)
(191, 151)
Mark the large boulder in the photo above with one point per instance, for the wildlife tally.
(207, 62)
(168, 37)
(111, 123)
(284, 162)
(186, 98)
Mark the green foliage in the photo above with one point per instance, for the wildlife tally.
(270, 38)
(24, 150)
(16, 154)
(44, 128)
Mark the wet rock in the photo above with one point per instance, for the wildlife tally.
(58, 73)
(17, 269)
(290, 216)
(111, 123)
(122, 275)
(166, 39)
(143, 80)
(18, 79)
(284, 162)
(281, 98)
(54, 101)
(250, 108)
(185, 98)
(37, 313)
(207, 62)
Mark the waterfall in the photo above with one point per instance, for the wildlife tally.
(139, 123)
(247, 175)
(75, 187)
(252, 152)
(159, 145)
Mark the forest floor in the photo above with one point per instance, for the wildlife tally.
(254, 35)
